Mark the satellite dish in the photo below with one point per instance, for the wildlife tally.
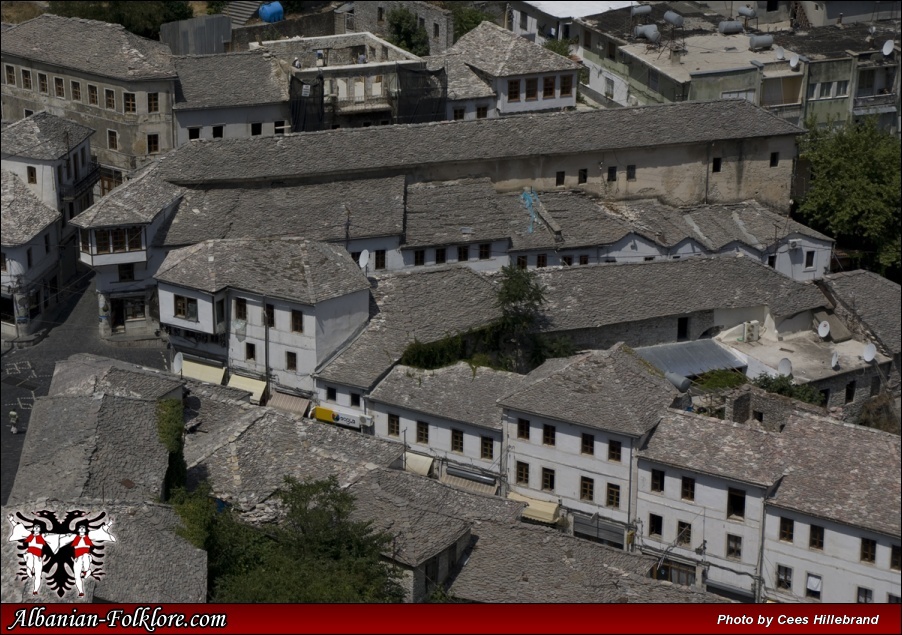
(794, 61)
(177, 363)
(823, 329)
(781, 54)
(364, 259)
(834, 362)
(887, 48)
(869, 353)
(785, 366)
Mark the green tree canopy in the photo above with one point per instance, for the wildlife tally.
(466, 18)
(855, 189)
(561, 47)
(782, 385)
(140, 17)
(405, 32)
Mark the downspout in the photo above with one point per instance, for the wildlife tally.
(266, 345)
(708, 170)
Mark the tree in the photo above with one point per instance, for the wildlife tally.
(405, 32)
(782, 385)
(142, 18)
(467, 18)
(855, 189)
(520, 298)
(561, 47)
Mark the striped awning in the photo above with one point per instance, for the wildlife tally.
(540, 511)
(289, 403)
(202, 372)
(253, 386)
(468, 485)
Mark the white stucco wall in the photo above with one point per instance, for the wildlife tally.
(498, 258)
(540, 103)
(236, 122)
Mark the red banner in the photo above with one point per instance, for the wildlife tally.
(451, 618)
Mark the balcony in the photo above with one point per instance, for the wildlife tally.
(85, 183)
(867, 104)
(790, 112)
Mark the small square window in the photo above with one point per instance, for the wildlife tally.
(153, 143)
(865, 596)
(541, 260)
(582, 176)
(463, 254)
(130, 102)
(380, 259)
(549, 433)
(772, 261)
(612, 174)
(482, 112)
(185, 308)
(809, 259)
(687, 490)
(297, 321)
(547, 479)
(584, 259)
(112, 140)
(218, 132)
(774, 159)
(269, 316)
(291, 361)
(153, 102)
(684, 534)
(422, 432)
(588, 444)
(250, 352)
(331, 394)
(355, 399)
(127, 272)
(784, 578)
(586, 489)
(380, 14)
(59, 86)
(458, 114)
(42, 82)
(868, 550)
(487, 448)
(548, 84)
(715, 164)
(532, 89)
(435, 29)
(895, 558)
(735, 503)
(850, 392)
(657, 480)
(440, 256)
(457, 440)
(523, 429)
(612, 498)
(815, 537)
(193, 133)
(10, 75)
(631, 173)
(566, 85)
(29, 259)
(256, 129)
(813, 587)
(787, 529)
(485, 251)
(419, 257)
(522, 473)
(32, 174)
(26, 79)
(559, 178)
(734, 547)
(240, 309)
(522, 262)
(76, 91)
(92, 95)
(279, 128)
(513, 90)
(655, 525)
(394, 425)
(110, 99)
(615, 449)
(567, 261)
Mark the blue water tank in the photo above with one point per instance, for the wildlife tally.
(271, 12)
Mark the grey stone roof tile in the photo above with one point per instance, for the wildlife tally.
(136, 202)
(875, 300)
(43, 136)
(89, 46)
(293, 269)
(227, 81)
(22, 214)
(84, 374)
(463, 82)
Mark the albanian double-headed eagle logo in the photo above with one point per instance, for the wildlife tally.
(61, 551)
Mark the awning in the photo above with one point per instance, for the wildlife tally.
(253, 386)
(289, 403)
(202, 372)
(541, 511)
(467, 485)
(690, 359)
(417, 463)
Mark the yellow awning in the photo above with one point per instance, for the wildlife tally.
(289, 403)
(417, 463)
(253, 386)
(541, 511)
(202, 372)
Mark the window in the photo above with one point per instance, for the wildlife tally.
(127, 272)
(217, 132)
(772, 261)
(815, 537)
(250, 352)
(715, 164)
(153, 143)
(582, 176)
(842, 88)
(130, 103)
(566, 85)
(185, 308)
(331, 394)
(734, 546)
(547, 479)
(463, 254)
(559, 178)
(26, 79)
(657, 480)
(394, 425)
(532, 89)
(548, 434)
(297, 321)
(584, 259)
(825, 89)
(588, 444)
(895, 558)
(482, 112)
(193, 133)
(103, 242)
(458, 114)
(735, 503)
(355, 399)
(813, 586)
(457, 441)
(893, 599)
(868, 550)
(380, 15)
(523, 429)
(2, 261)
(612, 498)
(42, 82)
(435, 29)
(380, 259)
(76, 91)
(631, 173)
(687, 489)
(567, 260)
(586, 489)
(32, 174)
(615, 448)
(269, 314)
(153, 102)
(10, 75)
(774, 159)
(865, 596)
(240, 309)
(279, 127)
(28, 258)
(609, 87)
(784, 577)
(110, 96)
(422, 432)
(487, 448)
(291, 361)
(850, 392)
(541, 260)
(612, 174)
(85, 240)
(112, 139)
(220, 311)
(655, 525)
(654, 80)
(440, 256)
(92, 95)
(684, 533)
(524, 21)
(787, 527)
(485, 251)
(825, 396)
(513, 90)
(809, 259)
(59, 87)
(522, 473)
(548, 88)
(682, 329)
(522, 262)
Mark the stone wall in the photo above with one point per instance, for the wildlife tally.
(438, 22)
(650, 332)
(307, 25)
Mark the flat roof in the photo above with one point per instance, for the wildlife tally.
(577, 9)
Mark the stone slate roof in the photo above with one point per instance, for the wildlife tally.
(832, 42)
(525, 564)
(315, 212)
(92, 446)
(463, 82)
(611, 390)
(89, 46)
(43, 136)
(874, 300)
(136, 202)
(250, 78)
(406, 305)
(293, 269)
(437, 212)
(498, 52)
(459, 392)
(85, 374)
(582, 220)
(148, 563)
(22, 214)
(403, 148)
(579, 297)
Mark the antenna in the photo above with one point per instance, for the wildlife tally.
(785, 367)
(364, 258)
(823, 329)
(887, 48)
(794, 61)
(834, 362)
(781, 54)
(869, 353)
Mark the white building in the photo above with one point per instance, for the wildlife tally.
(540, 21)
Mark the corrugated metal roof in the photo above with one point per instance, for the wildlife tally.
(690, 358)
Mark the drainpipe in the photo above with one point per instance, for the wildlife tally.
(266, 344)
(708, 170)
